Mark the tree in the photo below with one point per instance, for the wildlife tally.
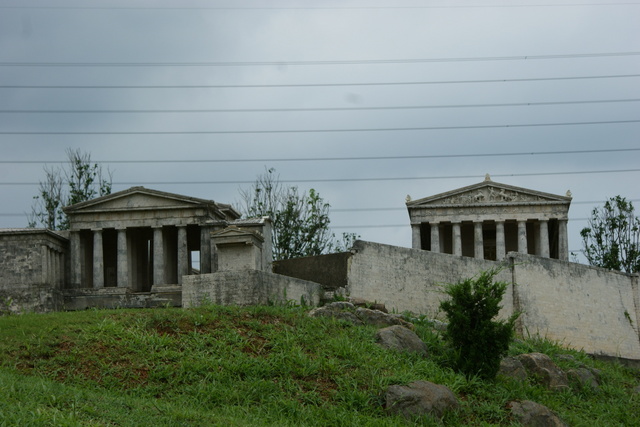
(612, 239)
(83, 180)
(478, 341)
(300, 220)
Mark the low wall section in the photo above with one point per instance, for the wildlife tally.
(583, 307)
(411, 279)
(247, 287)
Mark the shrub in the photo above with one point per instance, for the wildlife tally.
(478, 342)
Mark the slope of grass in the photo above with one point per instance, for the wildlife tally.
(254, 366)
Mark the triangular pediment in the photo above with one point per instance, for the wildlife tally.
(140, 198)
(488, 192)
(233, 231)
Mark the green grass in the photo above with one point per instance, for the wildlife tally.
(254, 366)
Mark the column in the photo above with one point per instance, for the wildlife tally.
(501, 248)
(122, 260)
(563, 243)
(75, 269)
(435, 236)
(205, 250)
(416, 242)
(44, 255)
(478, 242)
(457, 239)
(522, 237)
(158, 257)
(543, 238)
(98, 260)
(183, 254)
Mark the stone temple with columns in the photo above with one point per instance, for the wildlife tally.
(489, 219)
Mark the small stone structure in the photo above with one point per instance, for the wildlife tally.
(33, 267)
(140, 238)
(489, 219)
(243, 275)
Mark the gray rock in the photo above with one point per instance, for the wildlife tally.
(358, 316)
(420, 398)
(335, 310)
(402, 339)
(584, 376)
(361, 302)
(513, 368)
(378, 318)
(541, 367)
(532, 414)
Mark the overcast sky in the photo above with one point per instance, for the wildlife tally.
(366, 101)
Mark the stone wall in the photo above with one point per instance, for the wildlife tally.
(32, 270)
(583, 307)
(247, 287)
(411, 279)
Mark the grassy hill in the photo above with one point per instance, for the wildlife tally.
(255, 366)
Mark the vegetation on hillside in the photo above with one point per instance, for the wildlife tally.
(256, 366)
(612, 239)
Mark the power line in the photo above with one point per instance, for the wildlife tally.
(382, 209)
(318, 62)
(412, 178)
(293, 85)
(252, 8)
(287, 131)
(314, 159)
(321, 109)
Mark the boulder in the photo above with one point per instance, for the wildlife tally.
(541, 367)
(358, 316)
(361, 302)
(420, 398)
(584, 377)
(402, 339)
(532, 414)
(378, 318)
(339, 309)
(512, 368)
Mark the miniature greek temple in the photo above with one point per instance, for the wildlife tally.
(489, 219)
(140, 238)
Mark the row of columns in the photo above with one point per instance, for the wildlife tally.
(123, 258)
(541, 238)
(52, 266)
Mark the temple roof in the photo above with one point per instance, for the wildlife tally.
(488, 192)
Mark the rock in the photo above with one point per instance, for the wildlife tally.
(541, 367)
(358, 316)
(340, 310)
(420, 398)
(378, 318)
(513, 368)
(361, 302)
(402, 339)
(585, 377)
(533, 414)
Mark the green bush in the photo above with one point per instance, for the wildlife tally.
(478, 342)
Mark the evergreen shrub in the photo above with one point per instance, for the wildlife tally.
(478, 341)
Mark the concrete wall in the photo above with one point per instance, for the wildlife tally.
(32, 270)
(410, 279)
(583, 307)
(247, 287)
